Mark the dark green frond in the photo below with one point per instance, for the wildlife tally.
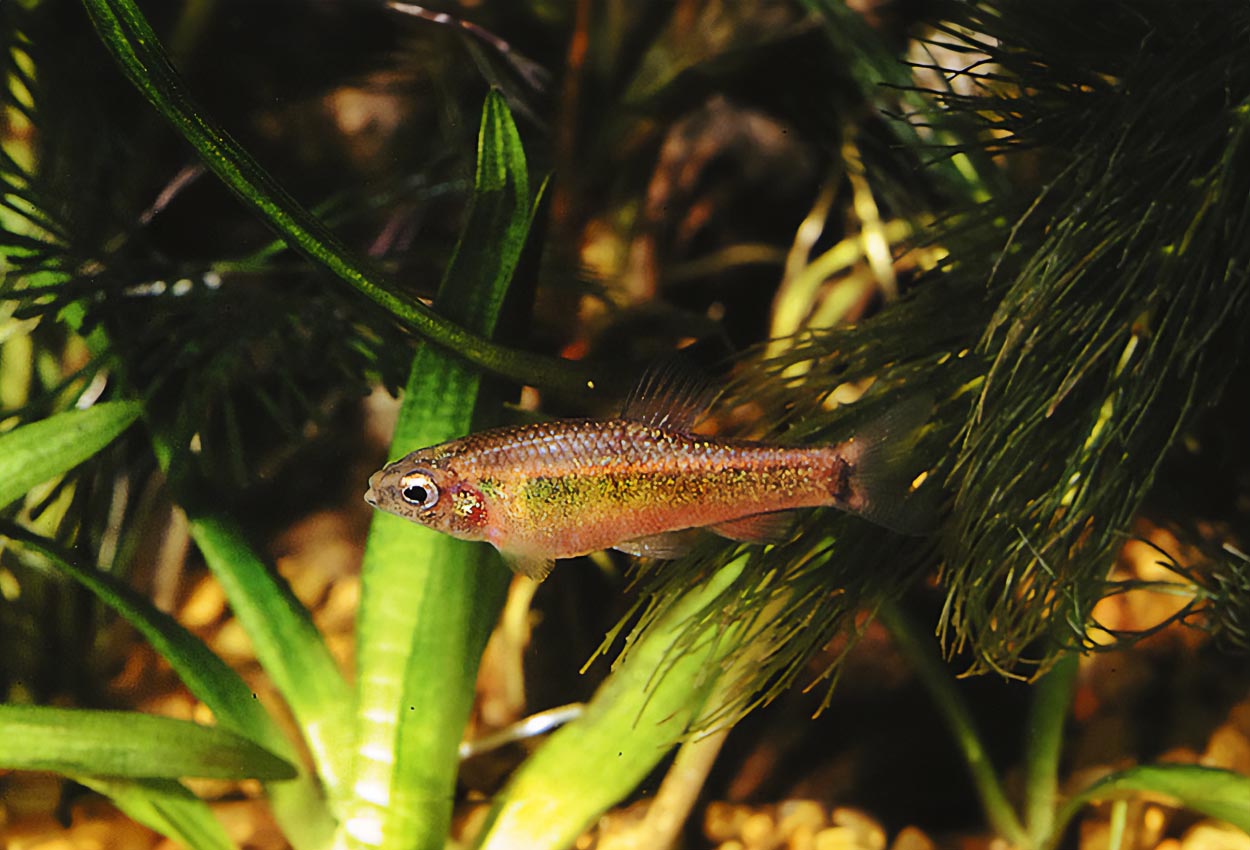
(1228, 600)
(1119, 297)
(1081, 315)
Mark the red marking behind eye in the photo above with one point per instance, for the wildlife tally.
(469, 505)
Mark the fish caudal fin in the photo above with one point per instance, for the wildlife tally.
(884, 468)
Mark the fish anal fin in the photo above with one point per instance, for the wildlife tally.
(771, 527)
(673, 393)
(536, 567)
(665, 545)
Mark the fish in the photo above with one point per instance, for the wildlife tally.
(643, 482)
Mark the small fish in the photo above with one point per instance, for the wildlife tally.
(643, 483)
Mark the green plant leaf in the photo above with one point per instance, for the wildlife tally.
(209, 678)
(34, 453)
(128, 744)
(134, 45)
(1213, 792)
(167, 807)
(298, 804)
(429, 601)
(652, 699)
(287, 643)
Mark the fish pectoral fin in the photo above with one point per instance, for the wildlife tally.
(531, 566)
(666, 545)
(771, 527)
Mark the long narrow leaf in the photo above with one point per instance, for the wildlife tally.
(128, 744)
(167, 807)
(287, 643)
(1210, 791)
(428, 601)
(297, 804)
(34, 453)
(133, 44)
(207, 677)
(637, 715)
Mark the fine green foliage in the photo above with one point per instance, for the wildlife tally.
(1113, 293)
(1091, 321)
(125, 744)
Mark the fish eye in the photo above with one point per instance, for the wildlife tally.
(419, 490)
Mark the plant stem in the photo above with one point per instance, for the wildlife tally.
(1119, 819)
(134, 45)
(677, 795)
(661, 827)
(1048, 714)
(921, 652)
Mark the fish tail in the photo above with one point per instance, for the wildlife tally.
(880, 467)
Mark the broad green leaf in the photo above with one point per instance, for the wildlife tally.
(167, 807)
(128, 744)
(34, 453)
(298, 805)
(1215, 793)
(428, 601)
(133, 44)
(632, 722)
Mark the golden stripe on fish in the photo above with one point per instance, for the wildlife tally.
(639, 482)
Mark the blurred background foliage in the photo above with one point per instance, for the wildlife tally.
(1034, 214)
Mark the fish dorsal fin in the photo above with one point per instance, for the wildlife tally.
(666, 545)
(671, 394)
(530, 566)
(771, 527)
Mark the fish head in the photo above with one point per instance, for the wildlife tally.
(425, 488)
